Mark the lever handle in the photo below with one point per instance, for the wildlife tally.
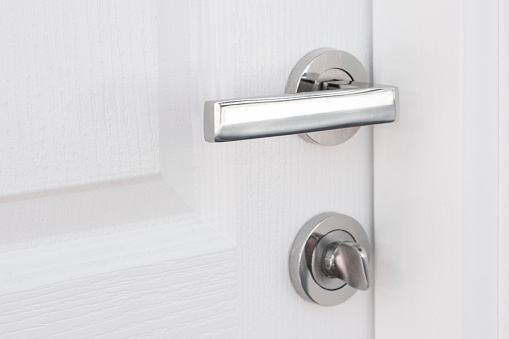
(359, 105)
(349, 262)
(332, 93)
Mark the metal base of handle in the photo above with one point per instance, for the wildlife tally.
(316, 68)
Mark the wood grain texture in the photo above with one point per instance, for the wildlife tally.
(260, 192)
(172, 282)
(87, 211)
(95, 243)
(256, 193)
(78, 93)
(503, 172)
(436, 171)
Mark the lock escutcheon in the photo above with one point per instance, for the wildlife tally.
(330, 259)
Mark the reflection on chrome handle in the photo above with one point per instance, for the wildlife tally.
(349, 262)
(327, 90)
(358, 104)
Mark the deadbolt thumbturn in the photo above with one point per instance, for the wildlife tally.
(330, 259)
(348, 261)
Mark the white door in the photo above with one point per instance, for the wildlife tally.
(118, 220)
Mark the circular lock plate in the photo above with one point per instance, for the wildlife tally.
(307, 253)
(316, 67)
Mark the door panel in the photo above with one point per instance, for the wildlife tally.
(123, 221)
(79, 93)
(260, 192)
(161, 281)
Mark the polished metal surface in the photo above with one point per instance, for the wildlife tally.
(349, 262)
(314, 72)
(321, 277)
(327, 98)
(329, 260)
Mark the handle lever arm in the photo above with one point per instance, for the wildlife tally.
(357, 105)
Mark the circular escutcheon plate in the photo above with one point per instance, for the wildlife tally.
(305, 257)
(316, 67)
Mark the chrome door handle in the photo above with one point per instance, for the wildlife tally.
(326, 91)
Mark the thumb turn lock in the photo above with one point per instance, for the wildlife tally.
(328, 96)
(330, 259)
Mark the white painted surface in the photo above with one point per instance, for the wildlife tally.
(78, 212)
(102, 152)
(436, 170)
(479, 170)
(160, 282)
(503, 203)
(260, 192)
(78, 93)
(118, 220)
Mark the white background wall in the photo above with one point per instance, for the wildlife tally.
(440, 198)
(503, 230)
